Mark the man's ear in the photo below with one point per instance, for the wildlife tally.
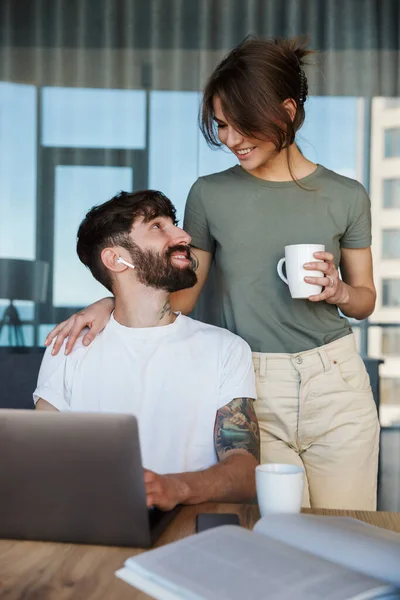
(109, 257)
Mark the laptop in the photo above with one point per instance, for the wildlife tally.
(74, 477)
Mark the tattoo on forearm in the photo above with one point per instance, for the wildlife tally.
(166, 309)
(236, 427)
(194, 260)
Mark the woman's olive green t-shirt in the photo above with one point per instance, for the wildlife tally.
(246, 222)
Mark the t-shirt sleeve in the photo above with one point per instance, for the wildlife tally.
(358, 232)
(238, 379)
(195, 221)
(53, 385)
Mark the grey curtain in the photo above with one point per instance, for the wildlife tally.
(174, 44)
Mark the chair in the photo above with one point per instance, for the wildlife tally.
(19, 368)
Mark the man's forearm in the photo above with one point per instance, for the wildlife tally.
(358, 302)
(230, 480)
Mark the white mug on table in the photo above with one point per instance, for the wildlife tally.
(279, 488)
(295, 258)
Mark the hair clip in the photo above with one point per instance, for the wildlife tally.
(303, 87)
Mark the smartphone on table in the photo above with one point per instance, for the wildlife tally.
(209, 520)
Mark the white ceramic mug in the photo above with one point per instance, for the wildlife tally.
(279, 488)
(295, 258)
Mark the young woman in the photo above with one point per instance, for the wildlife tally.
(315, 406)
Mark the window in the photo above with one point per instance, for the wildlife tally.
(392, 142)
(391, 243)
(17, 170)
(17, 190)
(93, 118)
(330, 149)
(391, 193)
(77, 188)
(178, 153)
(391, 292)
(173, 144)
(391, 341)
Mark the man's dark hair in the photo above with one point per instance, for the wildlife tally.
(110, 224)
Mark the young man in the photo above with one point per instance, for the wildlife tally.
(191, 385)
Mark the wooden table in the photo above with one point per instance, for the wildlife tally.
(49, 571)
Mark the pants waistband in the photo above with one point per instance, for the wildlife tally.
(334, 352)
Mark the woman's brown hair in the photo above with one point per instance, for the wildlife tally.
(252, 82)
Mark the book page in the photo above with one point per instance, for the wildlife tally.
(346, 541)
(153, 589)
(232, 563)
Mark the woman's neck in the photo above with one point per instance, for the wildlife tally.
(287, 165)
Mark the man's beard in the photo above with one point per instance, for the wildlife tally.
(157, 271)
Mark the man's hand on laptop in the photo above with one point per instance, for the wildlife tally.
(163, 491)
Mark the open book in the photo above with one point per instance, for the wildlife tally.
(299, 557)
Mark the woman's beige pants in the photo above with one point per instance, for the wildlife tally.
(316, 409)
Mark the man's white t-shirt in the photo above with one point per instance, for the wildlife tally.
(173, 378)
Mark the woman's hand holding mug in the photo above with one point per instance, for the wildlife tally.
(335, 290)
(313, 280)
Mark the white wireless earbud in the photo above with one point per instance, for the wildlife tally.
(122, 261)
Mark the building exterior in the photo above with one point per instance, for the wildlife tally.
(384, 341)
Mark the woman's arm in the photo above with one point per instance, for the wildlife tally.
(359, 294)
(355, 293)
(97, 315)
